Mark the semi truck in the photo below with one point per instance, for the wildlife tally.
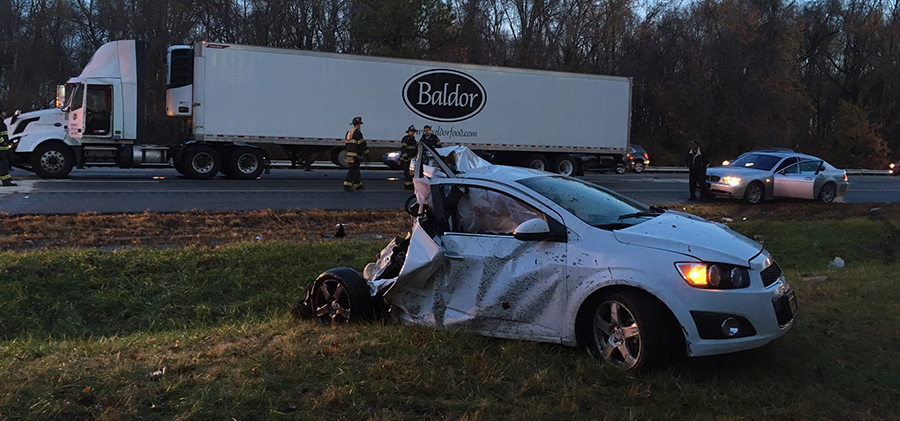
(236, 99)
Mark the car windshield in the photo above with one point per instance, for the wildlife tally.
(756, 161)
(592, 204)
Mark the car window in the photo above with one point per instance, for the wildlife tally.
(809, 167)
(757, 161)
(786, 162)
(477, 210)
(590, 203)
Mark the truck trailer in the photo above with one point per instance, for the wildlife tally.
(234, 99)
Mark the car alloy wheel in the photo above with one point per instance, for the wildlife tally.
(827, 193)
(754, 193)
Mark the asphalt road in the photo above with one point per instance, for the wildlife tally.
(164, 190)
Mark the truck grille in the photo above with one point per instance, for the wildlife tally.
(770, 274)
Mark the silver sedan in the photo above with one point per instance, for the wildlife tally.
(762, 175)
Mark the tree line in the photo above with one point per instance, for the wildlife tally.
(821, 77)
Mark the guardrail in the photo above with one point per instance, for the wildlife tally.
(381, 166)
(849, 172)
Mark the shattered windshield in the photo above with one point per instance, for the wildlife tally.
(592, 204)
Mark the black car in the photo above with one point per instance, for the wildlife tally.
(636, 159)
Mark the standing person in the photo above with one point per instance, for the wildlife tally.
(696, 161)
(5, 158)
(430, 139)
(356, 152)
(408, 151)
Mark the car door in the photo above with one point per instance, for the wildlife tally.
(797, 180)
(496, 284)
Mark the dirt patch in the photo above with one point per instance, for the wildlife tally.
(195, 228)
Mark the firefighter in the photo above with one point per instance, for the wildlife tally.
(407, 153)
(356, 152)
(430, 139)
(5, 155)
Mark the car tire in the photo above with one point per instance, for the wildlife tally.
(565, 165)
(827, 193)
(755, 193)
(638, 167)
(537, 162)
(340, 295)
(201, 162)
(626, 329)
(52, 159)
(620, 169)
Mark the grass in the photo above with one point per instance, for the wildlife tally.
(81, 331)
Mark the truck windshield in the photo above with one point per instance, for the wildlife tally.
(590, 203)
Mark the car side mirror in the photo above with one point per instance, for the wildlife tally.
(535, 229)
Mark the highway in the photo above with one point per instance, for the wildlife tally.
(113, 190)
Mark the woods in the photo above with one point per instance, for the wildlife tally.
(820, 77)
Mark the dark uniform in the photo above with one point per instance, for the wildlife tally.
(5, 158)
(408, 151)
(431, 140)
(357, 150)
(697, 163)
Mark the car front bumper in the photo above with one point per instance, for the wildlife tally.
(722, 189)
(763, 313)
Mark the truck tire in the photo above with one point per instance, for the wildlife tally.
(245, 163)
(565, 165)
(537, 162)
(201, 162)
(339, 158)
(52, 159)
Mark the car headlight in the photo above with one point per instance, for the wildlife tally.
(714, 275)
(892, 166)
(393, 154)
(731, 181)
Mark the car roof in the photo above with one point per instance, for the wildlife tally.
(501, 173)
(783, 153)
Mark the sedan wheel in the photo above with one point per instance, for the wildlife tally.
(827, 193)
(638, 167)
(625, 329)
(754, 193)
(339, 296)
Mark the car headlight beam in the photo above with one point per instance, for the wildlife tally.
(731, 181)
(713, 275)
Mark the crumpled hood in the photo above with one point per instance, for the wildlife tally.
(688, 234)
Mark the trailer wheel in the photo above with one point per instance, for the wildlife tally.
(537, 162)
(339, 158)
(565, 165)
(245, 163)
(201, 162)
(52, 159)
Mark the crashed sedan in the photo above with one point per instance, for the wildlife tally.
(524, 254)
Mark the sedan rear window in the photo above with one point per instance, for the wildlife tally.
(592, 204)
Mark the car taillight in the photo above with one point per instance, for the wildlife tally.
(845, 176)
(628, 155)
(645, 156)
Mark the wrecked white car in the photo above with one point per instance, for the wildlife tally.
(524, 254)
